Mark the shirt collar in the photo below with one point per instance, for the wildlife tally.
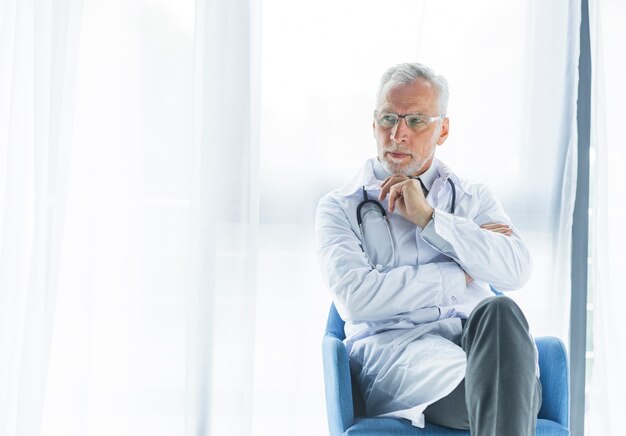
(428, 177)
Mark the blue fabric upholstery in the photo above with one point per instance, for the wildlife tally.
(344, 404)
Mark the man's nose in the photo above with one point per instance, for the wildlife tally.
(400, 131)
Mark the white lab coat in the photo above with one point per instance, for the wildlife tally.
(403, 309)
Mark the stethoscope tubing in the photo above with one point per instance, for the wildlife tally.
(365, 201)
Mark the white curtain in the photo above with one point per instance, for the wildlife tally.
(607, 383)
(204, 132)
(226, 214)
(154, 331)
(37, 82)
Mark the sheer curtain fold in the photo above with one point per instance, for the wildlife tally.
(37, 72)
(606, 396)
(550, 159)
(226, 214)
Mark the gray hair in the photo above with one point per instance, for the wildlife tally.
(404, 74)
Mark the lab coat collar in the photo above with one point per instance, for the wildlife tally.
(445, 172)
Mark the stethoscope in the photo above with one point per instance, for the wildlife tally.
(366, 200)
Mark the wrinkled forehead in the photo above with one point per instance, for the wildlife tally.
(418, 96)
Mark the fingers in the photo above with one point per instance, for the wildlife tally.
(395, 194)
(407, 197)
(399, 187)
(498, 228)
(503, 229)
(388, 183)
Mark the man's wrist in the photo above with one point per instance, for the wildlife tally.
(425, 218)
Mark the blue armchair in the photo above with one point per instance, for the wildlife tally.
(345, 408)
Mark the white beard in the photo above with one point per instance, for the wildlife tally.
(408, 169)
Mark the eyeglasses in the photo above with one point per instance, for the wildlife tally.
(414, 122)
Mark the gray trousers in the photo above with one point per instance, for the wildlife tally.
(501, 394)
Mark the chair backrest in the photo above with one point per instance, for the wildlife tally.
(335, 325)
(335, 328)
(554, 375)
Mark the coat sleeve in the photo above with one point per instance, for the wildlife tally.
(502, 261)
(362, 293)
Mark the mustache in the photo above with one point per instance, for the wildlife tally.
(396, 149)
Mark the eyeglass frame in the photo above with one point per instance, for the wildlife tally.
(430, 119)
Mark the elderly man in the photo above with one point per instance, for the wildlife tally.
(408, 250)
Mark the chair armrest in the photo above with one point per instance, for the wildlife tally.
(554, 376)
(337, 384)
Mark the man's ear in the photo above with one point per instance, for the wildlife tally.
(374, 128)
(445, 129)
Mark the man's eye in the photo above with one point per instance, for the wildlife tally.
(415, 122)
(388, 119)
